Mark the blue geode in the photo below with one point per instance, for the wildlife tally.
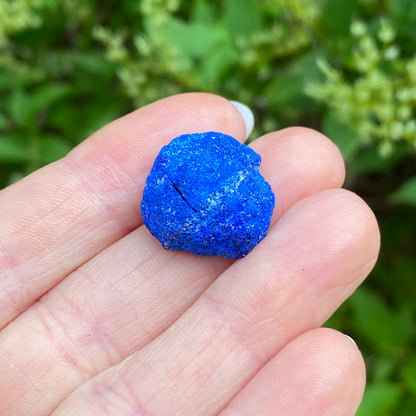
(205, 195)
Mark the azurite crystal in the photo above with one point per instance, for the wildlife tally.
(205, 195)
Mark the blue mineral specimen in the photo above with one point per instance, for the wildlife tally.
(205, 195)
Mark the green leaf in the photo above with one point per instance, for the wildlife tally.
(337, 15)
(216, 63)
(18, 106)
(102, 109)
(194, 40)
(379, 399)
(53, 148)
(12, 150)
(382, 369)
(209, 46)
(407, 406)
(202, 12)
(23, 106)
(385, 330)
(286, 94)
(286, 91)
(403, 9)
(3, 121)
(92, 63)
(7, 80)
(47, 95)
(51, 4)
(409, 374)
(242, 17)
(368, 159)
(406, 194)
(347, 140)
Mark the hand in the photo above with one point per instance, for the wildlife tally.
(98, 319)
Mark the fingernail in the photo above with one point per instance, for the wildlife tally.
(247, 115)
(351, 339)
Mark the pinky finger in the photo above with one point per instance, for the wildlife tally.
(320, 373)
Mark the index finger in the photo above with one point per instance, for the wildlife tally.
(57, 218)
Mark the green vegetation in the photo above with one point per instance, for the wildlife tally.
(345, 67)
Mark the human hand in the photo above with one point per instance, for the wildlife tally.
(98, 319)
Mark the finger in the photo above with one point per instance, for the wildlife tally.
(131, 292)
(314, 258)
(319, 373)
(302, 163)
(62, 215)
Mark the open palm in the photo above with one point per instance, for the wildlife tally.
(98, 319)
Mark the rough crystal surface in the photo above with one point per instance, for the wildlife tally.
(205, 195)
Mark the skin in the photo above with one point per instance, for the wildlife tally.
(98, 319)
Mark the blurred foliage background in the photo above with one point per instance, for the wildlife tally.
(344, 67)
